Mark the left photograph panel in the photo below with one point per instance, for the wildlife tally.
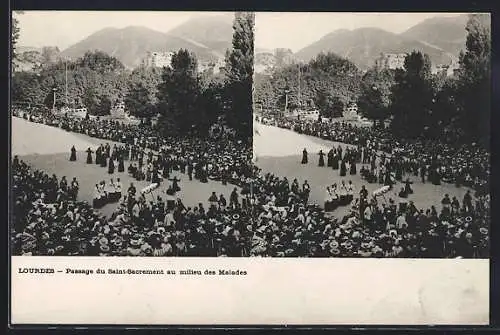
(131, 133)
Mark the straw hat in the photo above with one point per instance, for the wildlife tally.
(334, 244)
(335, 251)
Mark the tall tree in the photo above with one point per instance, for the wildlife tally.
(138, 102)
(412, 97)
(328, 104)
(239, 71)
(375, 90)
(178, 94)
(474, 89)
(15, 31)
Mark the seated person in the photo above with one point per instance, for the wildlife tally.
(403, 194)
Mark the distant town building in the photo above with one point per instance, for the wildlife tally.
(450, 69)
(283, 57)
(214, 66)
(158, 59)
(390, 61)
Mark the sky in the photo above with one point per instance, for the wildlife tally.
(272, 30)
(64, 28)
(297, 30)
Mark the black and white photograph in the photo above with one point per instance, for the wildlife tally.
(249, 168)
(371, 134)
(131, 133)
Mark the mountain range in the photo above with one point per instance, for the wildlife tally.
(441, 38)
(208, 37)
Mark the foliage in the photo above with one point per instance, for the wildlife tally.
(239, 73)
(328, 104)
(141, 96)
(326, 79)
(15, 30)
(412, 98)
(474, 82)
(100, 73)
(178, 94)
(375, 91)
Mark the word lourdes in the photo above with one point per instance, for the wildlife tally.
(137, 272)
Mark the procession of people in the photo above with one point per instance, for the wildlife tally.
(269, 216)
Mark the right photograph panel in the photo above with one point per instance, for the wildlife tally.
(371, 135)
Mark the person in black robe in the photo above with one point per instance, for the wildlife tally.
(107, 150)
(72, 157)
(329, 161)
(98, 154)
(304, 156)
(435, 178)
(203, 175)
(335, 161)
(352, 168)
(408, 189)
(111, 167)
(175, 184)
(121, 165)
(321, 158)
(343, 168)
(190, 172)
(423, 171)
(103, 159)
(387, 179)
(89, 156)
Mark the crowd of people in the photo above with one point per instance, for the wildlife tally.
(287, 225)
(270, 217)
(461, 164)
(49, 220)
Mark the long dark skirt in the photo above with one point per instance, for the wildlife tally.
(321, 160)
(89, 158)
(352, 170)
(121, 166)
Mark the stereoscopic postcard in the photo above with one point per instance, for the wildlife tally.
(250, 168)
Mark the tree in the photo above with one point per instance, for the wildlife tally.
(371, 104)
(329, 105)
(239, 72)
(412, 97)
(104, 105)
(25, 87)
(326, 75)
(90, 100)
(138, 101)
(375, 90)
(474, 83)
(178, 94)
(15, 31)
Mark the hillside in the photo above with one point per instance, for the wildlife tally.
(362, 46)
(213, 32)
(451, 36)
(207, 37)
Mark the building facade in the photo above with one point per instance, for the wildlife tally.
(391, 61)
(158, 59)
